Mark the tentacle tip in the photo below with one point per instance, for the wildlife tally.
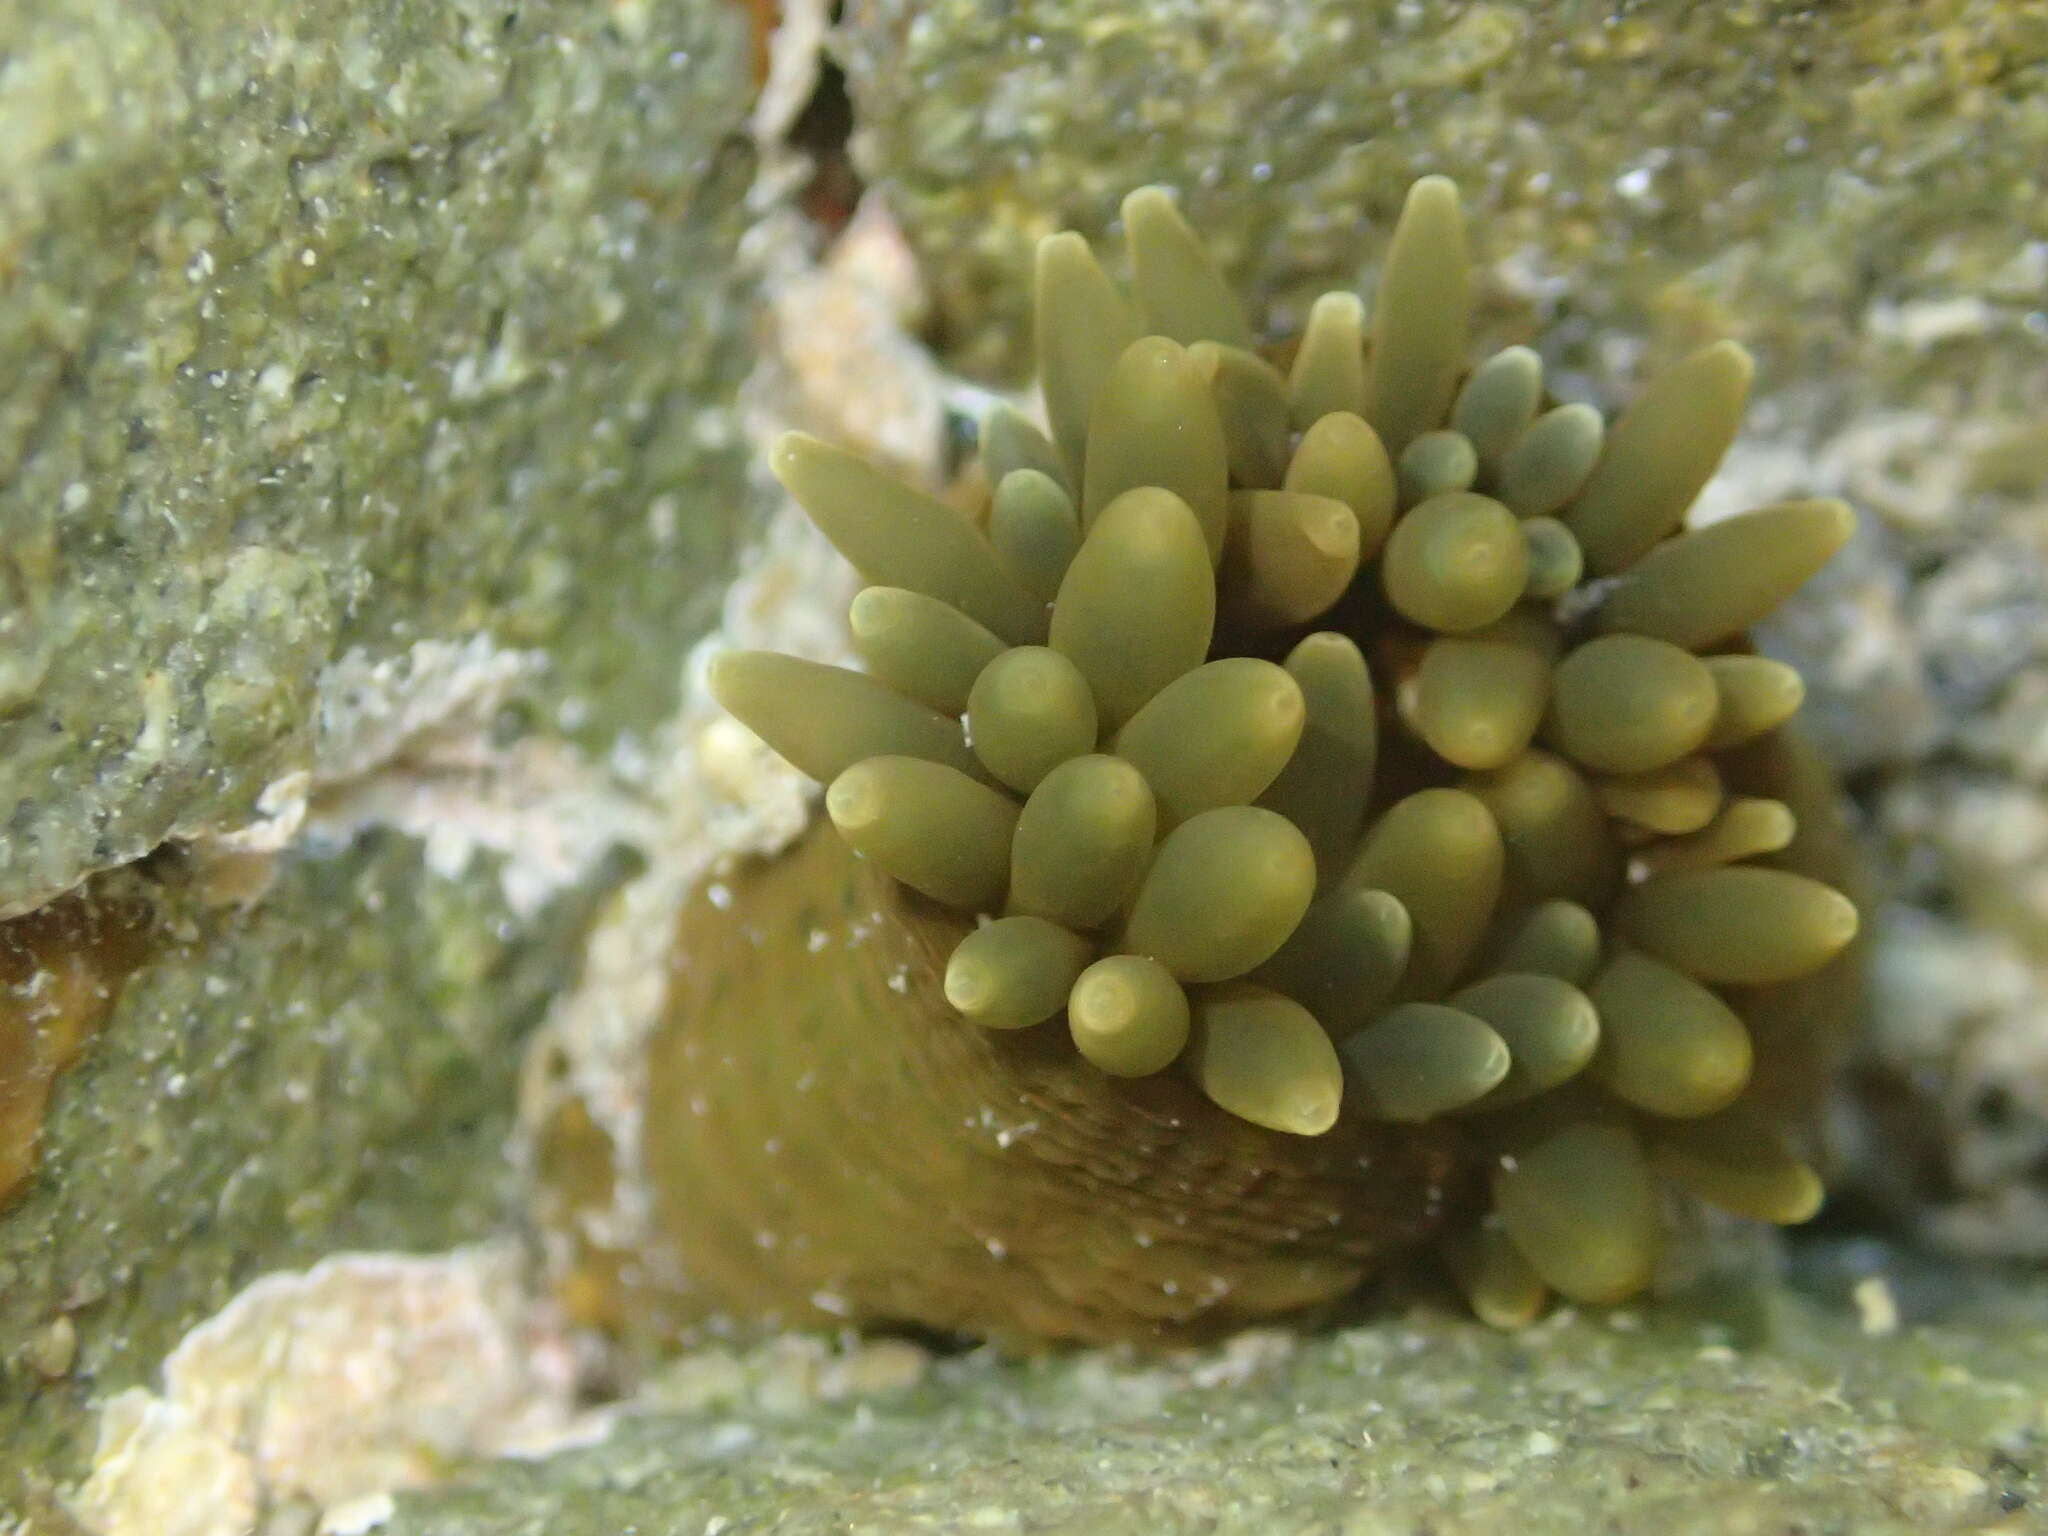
(722, 679)
(1436, 190)
(1839, 920)
(1340, 304)
(854, 799)
(1732, 359)
(1153, 198)
(1510, 1316)
(1802, 1203)
(1308, 1114)
(787, 453)
(967, 988)
(1838, 519)
(1060, 247)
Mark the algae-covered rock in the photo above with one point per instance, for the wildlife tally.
(1818, 183)
(333, 1070)
(331, 328)
(1769, 1413)
(367, 467)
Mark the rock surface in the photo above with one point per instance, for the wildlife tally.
(366, 468)
(332, 331)
(1843, 190)
(1770, 1413)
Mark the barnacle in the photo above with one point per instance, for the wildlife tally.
(1363, 743)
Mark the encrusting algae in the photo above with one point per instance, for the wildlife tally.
(1318, 803)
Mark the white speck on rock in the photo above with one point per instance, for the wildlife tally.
(1877, 1309)
(1924, 323)
(357, 1517)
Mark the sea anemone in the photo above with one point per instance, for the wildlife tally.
(1318, 799)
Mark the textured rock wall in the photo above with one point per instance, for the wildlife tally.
(337, 327)
(366, 467)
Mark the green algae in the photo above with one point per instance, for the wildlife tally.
(1749, 1408)
(330, 331)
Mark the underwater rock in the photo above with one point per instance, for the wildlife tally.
(366, 465)
(1775, 1414)
(302, 363)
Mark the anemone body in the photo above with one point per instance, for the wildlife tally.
(1402, 885)
(833, 1142)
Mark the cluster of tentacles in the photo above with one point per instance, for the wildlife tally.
(1351, 737)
